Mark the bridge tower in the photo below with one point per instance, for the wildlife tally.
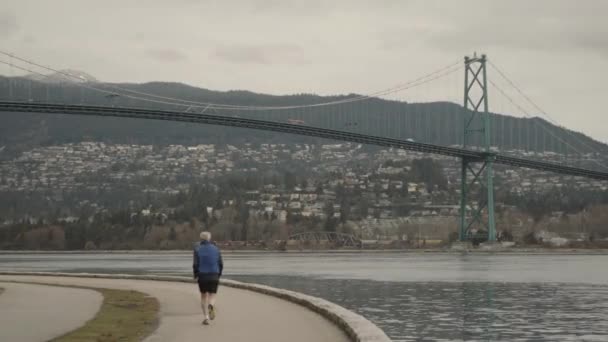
(476, 174)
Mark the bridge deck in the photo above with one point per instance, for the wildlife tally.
(294, 129)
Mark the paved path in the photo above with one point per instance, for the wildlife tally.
(30, 312)
(241, 315)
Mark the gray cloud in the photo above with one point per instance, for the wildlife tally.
(530, 36)
(539, 25)
(594, 42)
(260, 54)
(166, 55)
(8, 24)
(307, 7)
(29, 39)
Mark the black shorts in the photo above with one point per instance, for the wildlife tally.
(208, 285)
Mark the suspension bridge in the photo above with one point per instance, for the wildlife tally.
(364, 119)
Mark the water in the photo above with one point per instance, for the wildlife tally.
(413, 297)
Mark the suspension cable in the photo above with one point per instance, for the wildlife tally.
(537, 107)
(527, 114)
(439, 73)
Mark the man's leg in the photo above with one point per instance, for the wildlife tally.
(212, 294)
(211, 306)
(205, 305)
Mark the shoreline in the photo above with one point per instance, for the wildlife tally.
(537, 251)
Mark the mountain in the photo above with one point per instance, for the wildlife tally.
(66, 75)
(438, 122)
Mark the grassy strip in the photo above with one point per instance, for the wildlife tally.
(125, 315)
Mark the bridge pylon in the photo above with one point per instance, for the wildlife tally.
(477, 179)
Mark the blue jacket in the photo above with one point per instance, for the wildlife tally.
(207, 259)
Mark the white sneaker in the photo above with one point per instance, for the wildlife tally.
(211, 312)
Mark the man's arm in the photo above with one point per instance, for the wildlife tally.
(195, 263)
(220, 262)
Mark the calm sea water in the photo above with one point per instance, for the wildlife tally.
(413, 297)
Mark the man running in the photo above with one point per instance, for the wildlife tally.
(207, 267)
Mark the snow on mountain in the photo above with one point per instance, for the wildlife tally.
(67, 75)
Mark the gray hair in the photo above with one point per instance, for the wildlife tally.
(206, 236)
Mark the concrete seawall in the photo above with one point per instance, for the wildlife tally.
(355, 326)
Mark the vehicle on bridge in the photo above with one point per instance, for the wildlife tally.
(296, 122)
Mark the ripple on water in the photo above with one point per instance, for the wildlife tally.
(467, 311)
(413, 297)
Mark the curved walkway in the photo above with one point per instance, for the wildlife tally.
(241, 315)
(30, 312)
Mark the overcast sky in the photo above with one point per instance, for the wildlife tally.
(556, 50)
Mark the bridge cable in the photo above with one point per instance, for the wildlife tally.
(537, 107)
(83, 85)
(87, 86)
(181, 102)
(223, 106)
(408, 85)
(527, 114)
